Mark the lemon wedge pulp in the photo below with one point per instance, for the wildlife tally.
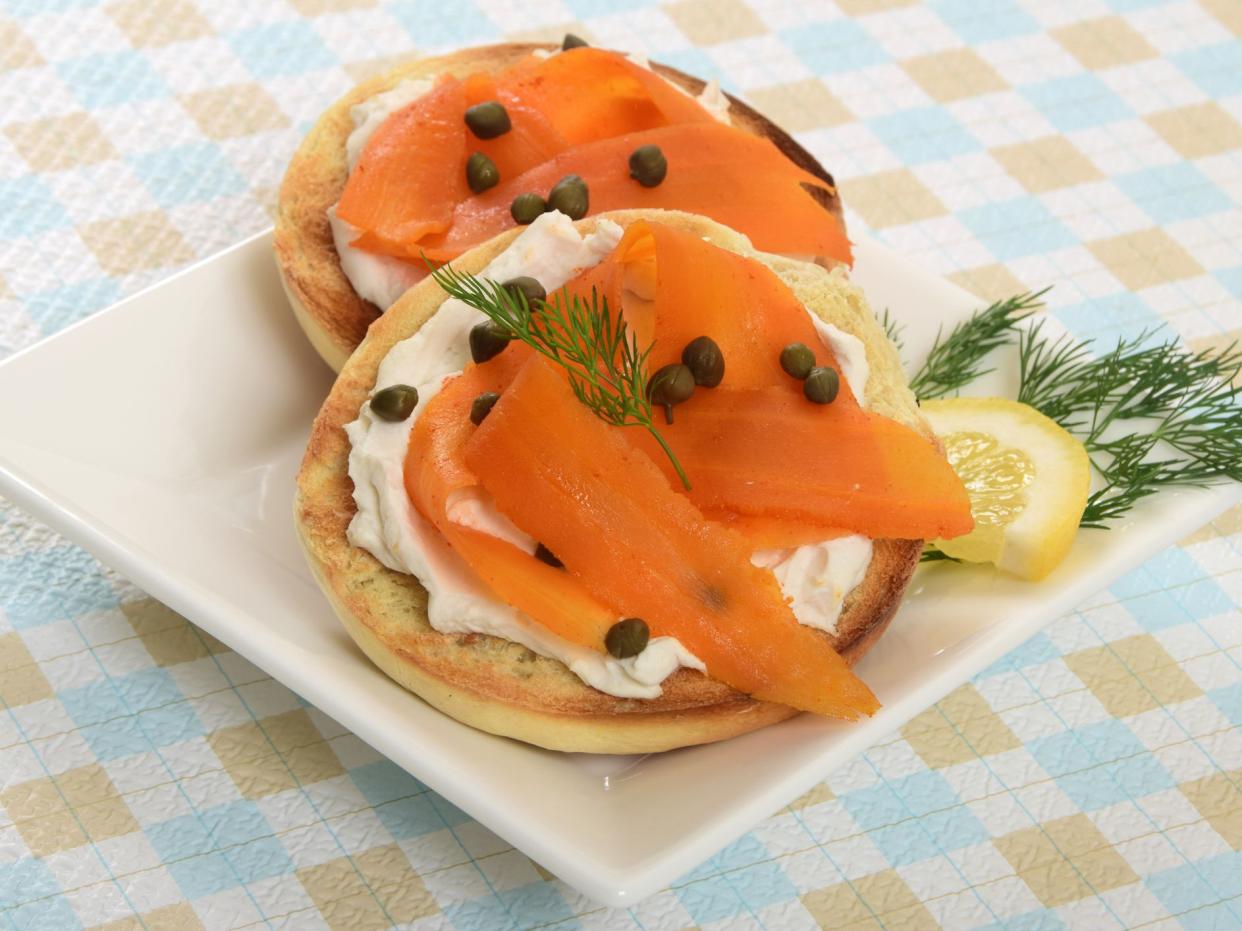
(1028, 481)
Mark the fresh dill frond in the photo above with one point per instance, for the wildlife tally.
(892, 328)
(931, 554)
(956, 360)
(1133, 401)
(607, 370)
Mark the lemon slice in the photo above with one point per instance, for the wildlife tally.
(1028, 481)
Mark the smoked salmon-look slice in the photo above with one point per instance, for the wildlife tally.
(399, 192)
(434, 469)
(589, 94)
(724, 173)
(764, 533)
(531, 140)
(770, 453)
(642, 549)
(674, 287)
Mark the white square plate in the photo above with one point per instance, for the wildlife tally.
(163, 435)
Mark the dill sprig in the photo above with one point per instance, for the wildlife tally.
(1151, 415)
(1131, 403)
(892, 328)
(607, 371)
(956, 360)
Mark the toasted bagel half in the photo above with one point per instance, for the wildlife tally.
(499, 686)
(333, 315)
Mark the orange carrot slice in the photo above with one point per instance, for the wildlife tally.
(721, 172)
(434, 468)
(577, 484)
(771, 453)
(411, 174)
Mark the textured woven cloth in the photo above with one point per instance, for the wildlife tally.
(151, 778)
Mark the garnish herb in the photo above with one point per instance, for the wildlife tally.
(892, 329)
(956, 360)
(607, 371)
(1163, 392)
(1189, 401)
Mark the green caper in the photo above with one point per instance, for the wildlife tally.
(528, 207)
(488, 339)
(797, 360)
(821, 385)
(394, 403)
(648, 166)
(672, 384)
(569, 196)
(528, 287)
(482, 406)
(543, 554)
(628, 637)
(573, 41)
(481, 173)
(705, 361)
(488, 120)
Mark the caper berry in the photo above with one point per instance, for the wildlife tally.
(481, 173)
(482, 406)
(705, 361)
(488, 339)
(628, 637)
(531, 289)
(527, 208)
(543, 554)
(648, 166)
(797, 360)
(488, 120)
(672, 384)
(573, 41)
(569, 196)
(394, 403)
(821, 385)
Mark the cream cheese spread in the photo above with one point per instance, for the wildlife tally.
(816, 578)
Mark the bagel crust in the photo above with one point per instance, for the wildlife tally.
(334, 317)
(500, 686)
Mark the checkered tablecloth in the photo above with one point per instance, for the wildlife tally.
(151, 778)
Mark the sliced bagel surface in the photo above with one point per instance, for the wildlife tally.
(500, 686)
(333, 315)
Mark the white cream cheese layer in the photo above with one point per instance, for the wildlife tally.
(388, 526)
(381, 279)
(816, 578)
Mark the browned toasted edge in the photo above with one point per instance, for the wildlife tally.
(500, 686)
(334, 317)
